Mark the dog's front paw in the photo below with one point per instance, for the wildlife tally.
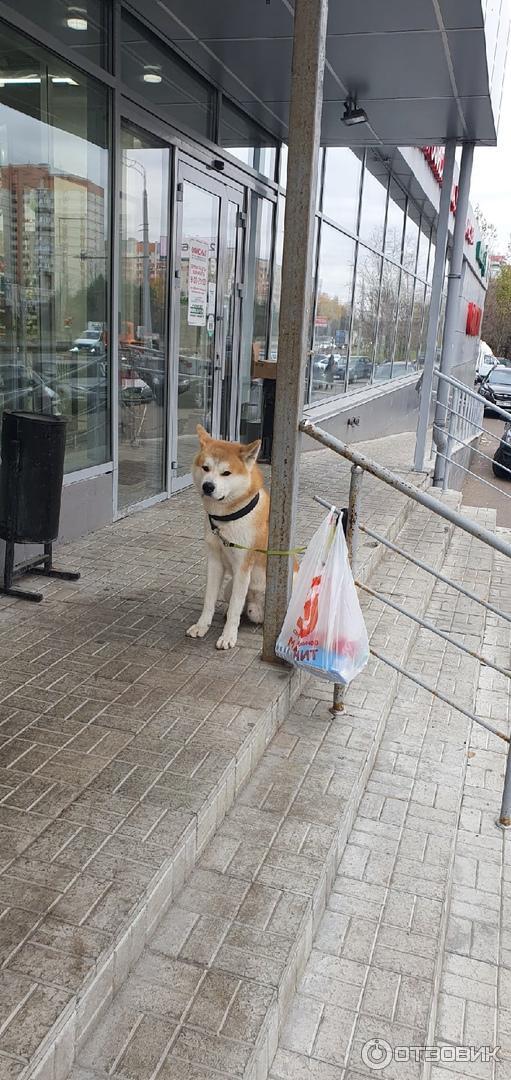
(197, 630)
(228, 639)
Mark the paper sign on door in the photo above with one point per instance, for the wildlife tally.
(198, 283)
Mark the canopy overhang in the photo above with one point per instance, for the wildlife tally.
(423, 70)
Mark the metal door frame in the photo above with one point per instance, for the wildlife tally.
(130, 115)
(189, 170)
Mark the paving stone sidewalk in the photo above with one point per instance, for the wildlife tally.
(211, 989)
(381, 962)
(122, 744)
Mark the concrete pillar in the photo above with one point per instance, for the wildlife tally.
(310, 24)
(435, 304)
(452, 310)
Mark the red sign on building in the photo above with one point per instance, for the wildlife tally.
(474, 318)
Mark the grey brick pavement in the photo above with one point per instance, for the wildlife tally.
(229, 953)
(122, 746)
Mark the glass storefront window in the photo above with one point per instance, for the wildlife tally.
(246, 141)
(411, 238)
(372, 214)
(277, 278)
(365, 314)
(283, 166)
(395, 222)
(423, 253)
(333, 313)
(431, 263)
(54, 340)
(404, 317)
(387, 320)
(170, 87)
(424, 331)
(341, 191)
(81, 27)
(143, 316)
(257, 371)
(416, 326)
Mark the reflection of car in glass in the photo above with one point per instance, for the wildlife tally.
(91, 341)
(496, 388)
(360, 368)
(326, 367)
(502, 457)
(197, 369)
(22, 389)
(398, 368)
(83, 385)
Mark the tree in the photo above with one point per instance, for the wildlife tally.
(487, 228)
(496, 329)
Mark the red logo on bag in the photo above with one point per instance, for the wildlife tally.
(307, 622)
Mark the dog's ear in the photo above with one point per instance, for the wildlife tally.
(203, 435)
(249, 453)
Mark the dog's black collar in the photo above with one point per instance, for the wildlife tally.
(220, 518)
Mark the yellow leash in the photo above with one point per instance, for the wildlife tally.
(259, 551)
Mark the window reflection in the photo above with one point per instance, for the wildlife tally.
(341, 192)
(333, 313)
(395, 222)
(246, 141)
(387, 320)
(403, 327)
(257, 370)
(411, 238)
(365, 315)
(80, 27)
(54, 342)
(372, 213)
(172, 89)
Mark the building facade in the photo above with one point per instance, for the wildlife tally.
(141, 237)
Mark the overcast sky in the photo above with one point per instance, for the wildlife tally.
(491, 178)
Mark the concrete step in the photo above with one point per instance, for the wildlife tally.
(405, 955)
(124, 745)
(210, 991)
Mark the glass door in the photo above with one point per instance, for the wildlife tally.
(209, 240)
(143, 316)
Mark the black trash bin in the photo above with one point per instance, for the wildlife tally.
(31, 475)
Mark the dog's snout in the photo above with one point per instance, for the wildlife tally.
(208, 487)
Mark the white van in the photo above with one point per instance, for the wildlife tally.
(485, 360)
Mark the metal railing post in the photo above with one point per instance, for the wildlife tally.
(505, 809)
(450, 436)
(309, 44)
(352, 539)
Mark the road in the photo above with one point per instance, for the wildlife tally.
(477, 494)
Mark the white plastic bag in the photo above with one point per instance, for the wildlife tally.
(324, 629)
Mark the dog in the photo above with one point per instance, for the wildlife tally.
(236, 506)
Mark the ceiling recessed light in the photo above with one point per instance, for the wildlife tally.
(352, 114)
(152, 73)
(76, 18)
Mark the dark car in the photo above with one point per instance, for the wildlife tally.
(502, 457)
(496, 388)
(360, 369)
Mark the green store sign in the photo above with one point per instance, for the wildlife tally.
(481, 257)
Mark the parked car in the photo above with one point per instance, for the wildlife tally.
(496, 388)
(360, 368)
(90, 341)
(502, 457)
(326, 369)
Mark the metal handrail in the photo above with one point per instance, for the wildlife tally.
(395, 481)
(472, 393)
(475, 450)
(433, 629)
(429, 569)
(359, 463)
(487, 483)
